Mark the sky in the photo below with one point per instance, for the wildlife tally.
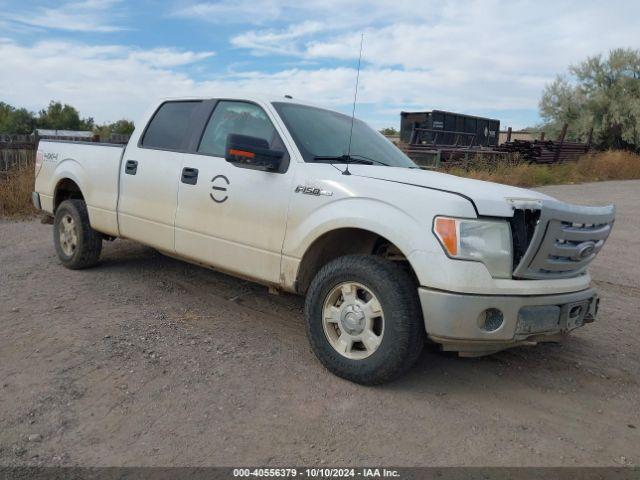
(113, 59)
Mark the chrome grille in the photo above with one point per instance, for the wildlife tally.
(565, 240)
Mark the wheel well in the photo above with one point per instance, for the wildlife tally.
(65, 190)
(345, 241)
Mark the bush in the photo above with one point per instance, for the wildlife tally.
(15, 192)
(611, 165)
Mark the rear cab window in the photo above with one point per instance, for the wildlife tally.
(169, 127)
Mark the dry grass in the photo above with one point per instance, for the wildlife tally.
(611, 165)
(15, 193)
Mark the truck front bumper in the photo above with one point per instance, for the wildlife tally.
(481, 324)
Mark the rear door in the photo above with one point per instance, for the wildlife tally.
(233, 216)
(150, 175)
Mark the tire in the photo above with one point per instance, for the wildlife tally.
(399, 341)
(77, 244)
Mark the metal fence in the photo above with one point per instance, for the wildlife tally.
(428, 149)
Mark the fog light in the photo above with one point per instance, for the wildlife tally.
(575, 311)
(491, 319)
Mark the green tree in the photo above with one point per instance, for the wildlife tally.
(63, 117)
(103, 131)
(603, 93)
(121, 127)
(389, 131)
(15, 121)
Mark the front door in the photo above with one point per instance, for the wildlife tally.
(233, 217)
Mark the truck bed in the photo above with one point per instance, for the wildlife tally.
(96, 166)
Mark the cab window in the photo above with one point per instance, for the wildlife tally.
(169, 127)
(240, 118)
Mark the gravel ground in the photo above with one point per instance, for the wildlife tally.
(145, 360)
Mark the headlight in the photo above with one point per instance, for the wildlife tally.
(486, 241)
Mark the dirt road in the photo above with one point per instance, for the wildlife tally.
(145, 360)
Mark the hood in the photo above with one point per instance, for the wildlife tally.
(488, 198)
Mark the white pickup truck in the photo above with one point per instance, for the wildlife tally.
(295, 197)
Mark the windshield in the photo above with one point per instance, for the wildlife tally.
(322, 134)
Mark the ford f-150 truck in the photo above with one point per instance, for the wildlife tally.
(300, 199)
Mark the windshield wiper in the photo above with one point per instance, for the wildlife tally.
(341, 159)
(378, 162)
(353, 158)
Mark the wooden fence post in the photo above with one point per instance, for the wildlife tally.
(560, 142)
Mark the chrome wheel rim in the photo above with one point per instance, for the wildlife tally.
(353, 320)
(68, 233)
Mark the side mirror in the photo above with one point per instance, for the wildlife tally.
(252, 152)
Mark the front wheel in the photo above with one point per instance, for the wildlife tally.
(77, 244)
(363, 319)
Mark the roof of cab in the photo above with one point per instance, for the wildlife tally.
(248, 97)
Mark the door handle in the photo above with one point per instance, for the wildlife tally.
(190, 175)
(131, 167)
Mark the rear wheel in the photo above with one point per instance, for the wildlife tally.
(363, 319)
(77, 244)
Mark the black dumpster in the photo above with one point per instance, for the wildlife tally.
(447, 128)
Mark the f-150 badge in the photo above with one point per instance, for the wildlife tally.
(308, 190)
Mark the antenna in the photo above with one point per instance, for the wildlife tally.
(353, 112)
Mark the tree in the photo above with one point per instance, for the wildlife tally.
(120, 127)
(63, 117)
(56, 116)
(603, 93)
(15, 121)
(389, 131)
